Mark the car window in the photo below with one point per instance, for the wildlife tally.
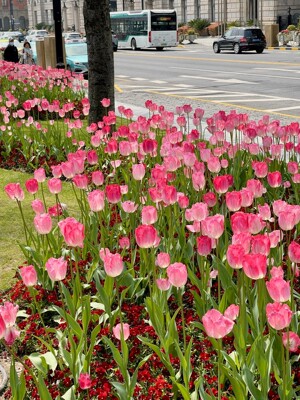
(234, 32)
(254, 33)
(228, 33)
(79, 49)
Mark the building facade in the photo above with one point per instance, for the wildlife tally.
(13, 15)
(257, 12)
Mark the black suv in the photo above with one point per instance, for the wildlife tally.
(241, 39)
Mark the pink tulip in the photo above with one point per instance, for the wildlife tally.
(2, 327)
(72, 231)
(81, 181)
(260, 168)
(244, 239)
(232, 312)
(256, 187)
(255, 223)
(146, 236)
(216, 325)
(40, 175)
(260, 244)
(113, 193)
(97, 178)
(124, 242)
(213, 226)
(294, 252)
(92, 157)
(279, 315)
(247, 197)
(84, 381)
(286, 220)
(14, 191)
(204, 245)
(105, 102)
(43, 223)
(291, 341)
(214, 165)
(113, 263)
(56, 171)
(279, 289)
(275, 237)
(221, 184)
(198, 180)
(239, 222)
(264, 212)
(183, 200)
(277, 272)
(274, 179)
(129, 206)
(149, 215)
(138, 171)
(96, 200)
(163, 284)
(210, 199)
(233, 201)
(169, 194)
(54, 185)
(56, 268)
(119, 328)
(163, 260)
(28, 275)
(292, 167)
(10, 335)
(199, 211)
(68, 169)
(32, 186)
(177, 274)
(235, 255)
(8, 312)
(255, 265)
(38, 206)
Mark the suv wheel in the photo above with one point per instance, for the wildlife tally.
(216, 48)
(259, 51)
(236, 48)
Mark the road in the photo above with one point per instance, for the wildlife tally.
(259, 84)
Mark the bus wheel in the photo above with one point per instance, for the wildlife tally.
(133, 44)
(159, 48)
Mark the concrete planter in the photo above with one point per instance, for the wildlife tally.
(191, 38)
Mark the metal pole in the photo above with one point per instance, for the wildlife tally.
(11, 10)
(58, 34)
(142, 4)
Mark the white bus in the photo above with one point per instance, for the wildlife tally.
(145, 29)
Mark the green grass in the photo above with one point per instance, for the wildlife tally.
(11, 227)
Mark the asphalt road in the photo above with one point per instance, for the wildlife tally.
(258, 84)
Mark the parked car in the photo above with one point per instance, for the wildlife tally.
(17, 35)
(77, 58)
(73, 37)
(36, 34)
(241, 39)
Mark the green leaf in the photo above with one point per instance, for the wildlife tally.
(249, 380)
(121, 390)
(68, 298)
(70, 394)
(42, 389)
(39, 362)
(70, 321)
(185, 393)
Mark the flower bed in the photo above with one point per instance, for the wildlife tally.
(179, 275)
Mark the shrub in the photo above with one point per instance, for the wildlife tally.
(291, 28)
(232, 23)
(199, 24)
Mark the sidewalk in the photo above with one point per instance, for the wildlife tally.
(207, 41)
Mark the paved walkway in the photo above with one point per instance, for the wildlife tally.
(207, 41)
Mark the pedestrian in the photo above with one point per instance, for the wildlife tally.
(11, 52)
(27, 55)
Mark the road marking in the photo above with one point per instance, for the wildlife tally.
(118, 89)
(139, 79)
(122, 76)
(280, 69)
(159, 82)
(183, 85)
(242, 73)
(231, 80)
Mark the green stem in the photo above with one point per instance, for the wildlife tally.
(182, 317)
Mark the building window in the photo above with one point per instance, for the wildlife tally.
(4, 2)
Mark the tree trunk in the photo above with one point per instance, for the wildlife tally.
(100, 56)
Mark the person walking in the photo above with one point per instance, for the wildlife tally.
(11, 52)
(27, 54)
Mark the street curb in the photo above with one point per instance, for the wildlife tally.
(283, 48)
